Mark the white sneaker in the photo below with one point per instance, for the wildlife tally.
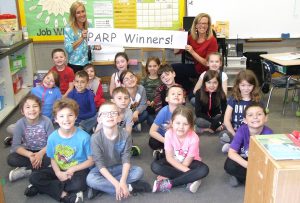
(18, 173)
(139, 127)
(79, 197)
(225, 148)
(193, 187)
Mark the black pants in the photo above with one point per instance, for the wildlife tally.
(155, 144)
(76, 68)
(16, 160)
(235, 169)
(46, 182)
(198, 171)
(183, 74)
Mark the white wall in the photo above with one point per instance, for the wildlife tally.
(8, 6)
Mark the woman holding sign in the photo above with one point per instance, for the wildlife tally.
(200, 44)
(79, 53)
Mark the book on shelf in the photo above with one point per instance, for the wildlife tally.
(279, 146)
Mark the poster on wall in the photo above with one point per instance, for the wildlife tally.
(45, 19)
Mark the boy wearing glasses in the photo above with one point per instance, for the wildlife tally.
(111, 147)
(87, 117)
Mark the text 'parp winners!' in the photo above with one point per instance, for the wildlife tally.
(137, 38)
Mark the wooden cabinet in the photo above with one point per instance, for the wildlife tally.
(269, 180)
(9, 78)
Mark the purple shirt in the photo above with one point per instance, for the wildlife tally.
(240, 142)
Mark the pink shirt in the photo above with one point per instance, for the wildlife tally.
(188, 148)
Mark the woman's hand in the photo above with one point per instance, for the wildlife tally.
(84, 34)
(189, 48)
(97, 47)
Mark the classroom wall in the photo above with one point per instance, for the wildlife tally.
(8, 6)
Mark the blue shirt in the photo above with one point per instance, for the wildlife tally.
(68, 152)
(85, 100)
(79, 56)
(241, 139)
(238, 108)
(163, 119)
(47, 97)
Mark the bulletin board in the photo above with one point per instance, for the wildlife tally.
(45, 20)
(252, 18)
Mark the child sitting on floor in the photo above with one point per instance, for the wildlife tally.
(255, 118)
(182, 164)
(111, 145)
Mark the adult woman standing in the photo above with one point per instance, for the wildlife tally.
(201, 42)
(76, 37)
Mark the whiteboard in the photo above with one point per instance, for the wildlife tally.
(252, 18)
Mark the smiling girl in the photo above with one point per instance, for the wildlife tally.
(210, 103)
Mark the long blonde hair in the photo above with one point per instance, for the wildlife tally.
(194, 32)
(72, 16)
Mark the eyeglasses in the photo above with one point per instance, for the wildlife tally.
(109, 114)
(198, 24)
(129, 78)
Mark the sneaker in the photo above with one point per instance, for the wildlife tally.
(193, 187)
(73, 198)
(137, 128)
(31, 191)
(225, 148)
(162, 185)
(135, 151)
(140, 186)
(233, 181)
(92, 193)
(224, 137)
(7, 141)
(156, 154)
(18, 173)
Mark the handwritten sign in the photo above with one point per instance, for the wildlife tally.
(138, 38)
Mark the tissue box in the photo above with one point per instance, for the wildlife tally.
(107, 53)
(17, 62)
(9, 38)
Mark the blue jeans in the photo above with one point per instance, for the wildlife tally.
(97, 181)
(142, 117)
(88, 124)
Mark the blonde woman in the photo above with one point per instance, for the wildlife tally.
(75, 34)
(201, 42)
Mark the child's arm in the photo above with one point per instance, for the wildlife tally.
(114, 181)
(38, 158)
(86, 164)
(71, 87)
(123, 184)
(112, 85)
(128, 129)
(198, 107)
(233, 155)
(224, 86)
(99, 98)
(180, 166)
(198, 85)
(154, 133)
(227, 119)
(61, 175)
(157, 99)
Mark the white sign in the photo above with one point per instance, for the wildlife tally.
(138, 38)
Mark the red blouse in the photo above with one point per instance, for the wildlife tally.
(203, 49)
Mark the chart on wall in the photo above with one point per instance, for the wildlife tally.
(45, 19)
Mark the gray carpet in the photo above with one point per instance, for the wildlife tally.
(213, 188)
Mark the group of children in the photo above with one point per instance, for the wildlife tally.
(91, 148)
